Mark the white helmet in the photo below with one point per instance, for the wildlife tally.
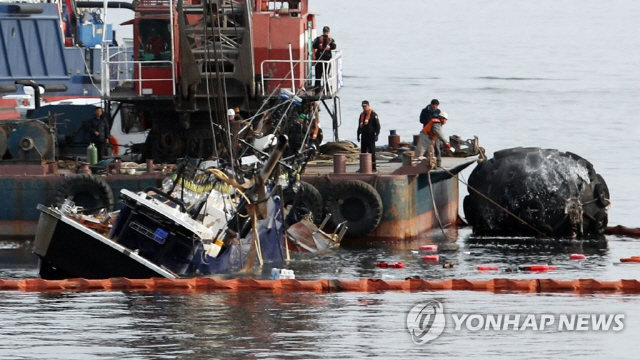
(443, 115)
(231, 112)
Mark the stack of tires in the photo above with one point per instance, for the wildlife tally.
(537, 192)
(353, 201)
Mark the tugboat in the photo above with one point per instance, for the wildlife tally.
(56, 44)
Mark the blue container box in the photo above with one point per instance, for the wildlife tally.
(91, 34)
(160, 235)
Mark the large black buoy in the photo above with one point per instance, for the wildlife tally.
(537, 192)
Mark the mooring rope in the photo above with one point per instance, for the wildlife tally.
(435, 208)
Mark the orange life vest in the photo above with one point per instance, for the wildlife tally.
(314, 133)
(322, 45)
(428, 129)
(364, 118)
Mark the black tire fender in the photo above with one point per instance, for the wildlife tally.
(357, 203)
(311, 199)
(601, 219)
(546, 229)
(517, 151)
(468, 206)
(87, 191)
(533, 212)
(601, 192)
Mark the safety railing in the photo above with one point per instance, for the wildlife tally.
(107, 60)
(155, 3)
(289, 6)
(332, 80)
(120, 66)
(139, 80)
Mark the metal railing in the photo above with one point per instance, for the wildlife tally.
(147, 64)
(158, 3)
(120, 66)
(107, 60)
(332, 80)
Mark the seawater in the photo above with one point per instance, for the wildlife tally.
(529, 73)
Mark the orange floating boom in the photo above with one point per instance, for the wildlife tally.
(323, 286)
(623, 231)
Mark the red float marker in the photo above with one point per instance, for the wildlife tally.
(431, 258)
(577, 257)
(384, 265)
(634, 259)
(428, 248)
(538, 268)
(487, 268)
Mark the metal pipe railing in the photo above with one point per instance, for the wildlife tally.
(139, 64)
(107, 59)
(332, 78)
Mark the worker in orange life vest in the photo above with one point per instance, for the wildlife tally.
(316, 133)
(432, 138)
(368, 129)
(322, 47)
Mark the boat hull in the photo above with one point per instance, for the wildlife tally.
(67, 249)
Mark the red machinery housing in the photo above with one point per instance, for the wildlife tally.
(192, 60)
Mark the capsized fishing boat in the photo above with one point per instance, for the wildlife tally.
(203, 221)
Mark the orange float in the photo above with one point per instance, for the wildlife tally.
(487, 268)
(195, 285)
(433, 248)
(434, 258)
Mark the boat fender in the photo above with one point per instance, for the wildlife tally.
(87, 191)
(311, 199)
(357, 203)
(601, 192)
(4, 141)
(601, 219)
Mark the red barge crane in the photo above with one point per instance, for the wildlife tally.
(194, 59)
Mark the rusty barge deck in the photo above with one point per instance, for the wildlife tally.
(410, 209)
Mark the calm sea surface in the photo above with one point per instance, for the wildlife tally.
(551, 74)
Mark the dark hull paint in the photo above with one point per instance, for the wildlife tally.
(76, 251)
